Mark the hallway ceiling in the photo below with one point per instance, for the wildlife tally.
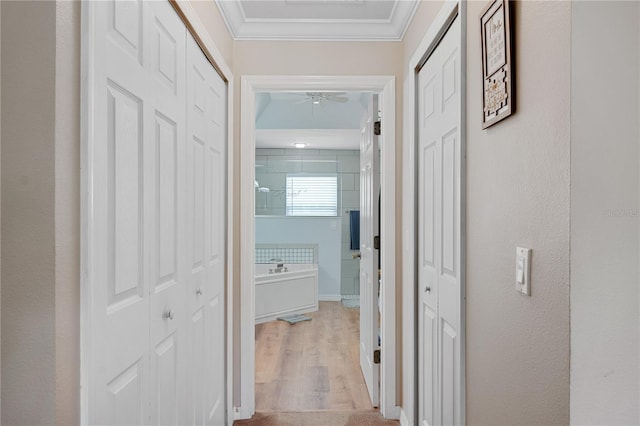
(354, 20)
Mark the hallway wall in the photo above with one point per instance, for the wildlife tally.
(604, 213)
(517, 366)
(40, 212)
(210, 16)
(518, 195)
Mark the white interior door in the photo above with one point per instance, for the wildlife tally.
(369, 190)
(155, 219)
(205, 216)
(163, 165)
(439, 221)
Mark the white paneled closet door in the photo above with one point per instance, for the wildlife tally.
(440, 348)
(164, 165)
(154, 322)
(119, 243)
(206, 210)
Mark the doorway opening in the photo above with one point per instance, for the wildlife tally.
(257, 196)
(308, 190)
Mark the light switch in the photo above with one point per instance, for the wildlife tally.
(523, 270)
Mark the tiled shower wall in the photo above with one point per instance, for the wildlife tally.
(272, 166)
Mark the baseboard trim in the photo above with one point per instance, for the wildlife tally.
(329, 297)
(240, 413)
(274, 316)
(393, 413)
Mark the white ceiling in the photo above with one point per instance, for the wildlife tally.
(312, 138)
(296, 111)
(284, 118)
(317, 19)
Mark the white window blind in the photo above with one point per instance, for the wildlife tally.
(312, 195)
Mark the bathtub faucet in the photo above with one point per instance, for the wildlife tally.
(279, 267)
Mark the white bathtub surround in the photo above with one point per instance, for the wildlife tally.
(323, 231)
(284, 290)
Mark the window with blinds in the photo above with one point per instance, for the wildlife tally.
(312, 195)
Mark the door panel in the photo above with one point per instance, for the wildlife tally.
(125, 399)
(369, 190)
(165, 35)
(206, 208)
(196, 410)
(166, 376)
(439, 242)
(120, 305)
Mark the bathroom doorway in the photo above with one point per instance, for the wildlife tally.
(252, 103)
(307, 253)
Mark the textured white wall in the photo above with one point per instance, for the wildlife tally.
(67, 212)
(28, 188)
(518, 195)
(604, 213)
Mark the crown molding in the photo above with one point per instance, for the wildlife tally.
(243, 28)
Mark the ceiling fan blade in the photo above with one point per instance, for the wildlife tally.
(302, 101)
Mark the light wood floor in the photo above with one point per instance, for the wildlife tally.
(313, 365)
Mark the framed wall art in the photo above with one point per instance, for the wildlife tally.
(497, 70)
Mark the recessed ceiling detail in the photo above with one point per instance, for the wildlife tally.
(310, 110)
(310, 138)
(354, 20)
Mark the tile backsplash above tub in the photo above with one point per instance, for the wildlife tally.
(286, 253)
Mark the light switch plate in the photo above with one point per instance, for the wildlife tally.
(523, 270)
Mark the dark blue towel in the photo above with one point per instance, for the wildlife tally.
(354, 226)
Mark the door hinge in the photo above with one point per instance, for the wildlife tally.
(376, 356)
(376, 242)
(376, 127)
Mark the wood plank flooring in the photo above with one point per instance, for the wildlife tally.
(313, 365)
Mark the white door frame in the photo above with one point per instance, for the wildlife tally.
(250, 86)
(410, 296)
(197, 28)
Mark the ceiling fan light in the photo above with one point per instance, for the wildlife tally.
(316, 102)
(300, 145)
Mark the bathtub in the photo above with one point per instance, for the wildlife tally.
(281, 293)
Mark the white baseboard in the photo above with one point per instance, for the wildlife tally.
(329, 297)
(240, 413)
(393, 413)
(274, 315)
(404, 421)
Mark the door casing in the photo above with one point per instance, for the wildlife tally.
(250, 86)
(410, 296)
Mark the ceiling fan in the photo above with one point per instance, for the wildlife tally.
(316, 98)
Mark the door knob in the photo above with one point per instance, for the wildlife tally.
(199, 291)
(167, 315)
(427, 289)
